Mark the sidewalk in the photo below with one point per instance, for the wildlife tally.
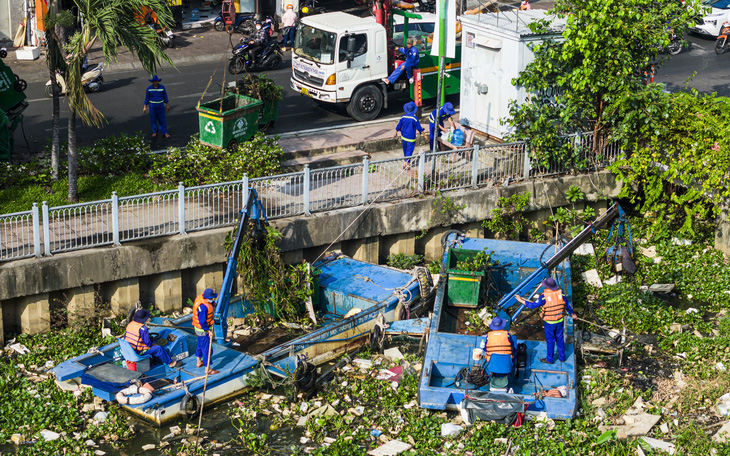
(194, 46)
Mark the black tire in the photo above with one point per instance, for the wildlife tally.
(305, 377)
(219, 26)
(3, 53)
(232, 144)
(190, 406)
(720, 46)
(246, 27)
(170, 43)
(425, 282)
(272, 62)
(376, 339)
(365, 104)
(675, 47)
(236, 65)
(49, 90)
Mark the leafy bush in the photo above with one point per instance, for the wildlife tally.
(199, 164)
(116, 155)
(403, 261)
(508, 217)
(259, 86)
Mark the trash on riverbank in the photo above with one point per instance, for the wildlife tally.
(592, 278)
(450, 430)
(660, 445)
(391, 448)
(723, 405)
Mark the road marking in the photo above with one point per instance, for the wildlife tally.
(38, 99)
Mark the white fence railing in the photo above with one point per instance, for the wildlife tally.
(52, 230)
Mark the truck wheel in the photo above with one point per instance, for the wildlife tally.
(366, 103)
(219, 26)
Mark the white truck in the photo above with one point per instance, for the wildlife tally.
(341, 58)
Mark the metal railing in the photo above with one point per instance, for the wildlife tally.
(49, 230)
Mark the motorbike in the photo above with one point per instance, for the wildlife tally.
(269, 58)
(245, 23)
(722, 42)
(164, 34)
(91, 80)
(675, 44)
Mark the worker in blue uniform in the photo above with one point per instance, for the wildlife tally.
(408, 126)
(139, 338)
(446, 111)
(203, 323)
(554, 307)
(156, 99)
(411, 62)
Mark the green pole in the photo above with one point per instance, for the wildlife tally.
(440, 93)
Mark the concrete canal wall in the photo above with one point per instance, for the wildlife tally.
(168, 271)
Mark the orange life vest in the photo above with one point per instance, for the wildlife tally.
(132, 336)
(554, 308)
(200, 300)
(498, 343)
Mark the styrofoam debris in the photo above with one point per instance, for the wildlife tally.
(691, 310)
(592, 278)
(722, 435)
(649, 252)
(664, 427)
(391, 448)
(675, 327)
(677, 241)
(660, 445)
(49, 435)
(720, 366)
(393, 354)
(90, 443)
(450, 430)
(18, 348)
(362, 363)
(99, 453)
(101, 417)
(175, 430)
(723, 405)
(149, 446)
(613, 280)
(661, 288)
(585, 249)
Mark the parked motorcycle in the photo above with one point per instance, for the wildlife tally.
(91, 80)
(245, 23)
(675, 44)
(269, 58)
(164, 34)
(722, 42)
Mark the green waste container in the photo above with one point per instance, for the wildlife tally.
(463, 288)
(267, 114)
(228, 123)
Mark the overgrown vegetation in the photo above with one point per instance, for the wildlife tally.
(403, 261)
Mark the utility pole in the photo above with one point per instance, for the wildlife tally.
(440, 94)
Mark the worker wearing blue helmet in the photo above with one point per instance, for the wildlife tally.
(408, 126)
(446, 111)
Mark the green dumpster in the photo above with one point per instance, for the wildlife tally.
(228, 123)
(463, 288)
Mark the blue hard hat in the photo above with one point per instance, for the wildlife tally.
(141, 316)
(209, 294)
(497, 324)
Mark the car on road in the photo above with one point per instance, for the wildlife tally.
(711, 24)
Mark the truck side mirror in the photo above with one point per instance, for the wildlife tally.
(351, 44)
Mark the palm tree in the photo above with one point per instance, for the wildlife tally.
(115, 24)
(54, 22)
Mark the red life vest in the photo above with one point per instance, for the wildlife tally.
(554, 308)
(200, 300)
(498, 343)
(132, 336)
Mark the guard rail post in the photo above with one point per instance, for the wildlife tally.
(365, 172)
(422, 172)
(46, 231)
(526, 164)
(244, 182)
(36, 231)
(475, 166)
(115, 219)
(181, 206)
(306, 190)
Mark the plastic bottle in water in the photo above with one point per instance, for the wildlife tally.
(195, 15)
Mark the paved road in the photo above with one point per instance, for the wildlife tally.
(122, 96)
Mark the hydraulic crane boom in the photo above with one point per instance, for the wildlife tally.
(253, 212)
(615, 212)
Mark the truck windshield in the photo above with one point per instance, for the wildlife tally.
(315, 44)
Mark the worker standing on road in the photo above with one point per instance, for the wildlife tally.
(499, 340)
(156, 99)
(412, 59)
(289, 22)
(409, 127)
(446, 111)
(203, 323)
(554, 306)
(139, 338)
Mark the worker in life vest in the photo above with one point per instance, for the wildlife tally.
(436, 124)
(499, 340)
(554, 307)
(138, 337)
(203, 323)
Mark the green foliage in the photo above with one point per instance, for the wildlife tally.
(403, 261)
(267, 280)
(586, 81)
(570, 220)
(508, 217)
(478, 262)
(259, 86)
(116, 156)
(199, 164)
(680, 153)
(434, 267)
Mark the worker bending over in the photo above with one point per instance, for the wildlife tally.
(554, 306)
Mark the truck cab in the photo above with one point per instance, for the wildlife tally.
(341, 58)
